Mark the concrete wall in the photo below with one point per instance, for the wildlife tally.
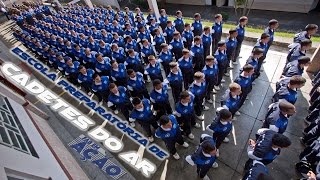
(113, 3)
(44, 167)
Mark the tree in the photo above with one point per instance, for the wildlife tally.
(244, 5)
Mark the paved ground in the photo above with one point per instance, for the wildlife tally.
(232, 155)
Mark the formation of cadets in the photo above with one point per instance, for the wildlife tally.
(113, 54)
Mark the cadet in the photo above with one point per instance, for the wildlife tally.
(100, 87)
(187, 36)
(160, 98)
(175, 80)
(221, 57)
(118, 53)
(72, 70)
(245, 81)
(216, 31)
(273, 25)
(310, 30)
(142, 113)
(258, 171)
(221, 127)
(204, 157)
(289, 91)
(298, 49)
(210, 70)
(253, 60)
(241, 32)
(136, 84)
(153, 69)
(196, 26)
(231, 43)
(168, 32)
(85, 79)
(178, 22)
(102, 65)
(165, 57)
(133, 61)
(146, 50)
(206, 41)
(118, 73)
(198, 89)
(277, 116)
(296, 67)
(197, 52)
(176, 45)
(119, 100)
(262, 43)
(158, 40)
(163, 19)
(169, 132)
(186, 65)
(231, 99)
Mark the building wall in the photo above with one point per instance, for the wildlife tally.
(45, 166)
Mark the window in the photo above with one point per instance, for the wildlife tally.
(12, 133)
(17, 175)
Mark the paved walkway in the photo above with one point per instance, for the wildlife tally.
(232, 155)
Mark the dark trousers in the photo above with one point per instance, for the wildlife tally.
(198, 105)
(260, 62)
(162, 108)
(211, 82)
(231, 54)
(239, 44)
(222, 70)
(185, 122)
(244, 93)
(73, 78)
(199, 63)
(102, 95)
(219, 137)
(202, 170)
(86, 86)
(124, 109)
(156, 76)
(171, 143)
(169, 39)
(177, 53)
(215, 39)
(206, 50)
(146, 125)
(166, 67)
(188, 44)
(121, 82)
(140, 94)
(90, 65)
(176, 91)
(187, 78)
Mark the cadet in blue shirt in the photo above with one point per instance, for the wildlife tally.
(118, 73)
(216, 31)
(221, 57)
(102, 65)
(178, 22)
(169, 132)
(175, 80)
(298, 49)
(85, 79)
(289, 91)
(118, 53)
(262, 43)
(277, 116)
(163, 19)
(129, 31)
(296, 67)
(197, 53)
(204, 157)
(100, 87)
(245, 81)
(187, 36)
(144, 34)
(129, 13)
(118, 40)
(266, 148)
(133, 61)
(143, 113)
(154, 25)
(62, 65)
(210, 71)
(136, 85)
(231, 99)
(106, 36)
(146, 50)
(89, 58)
(257, 171)
(160, 98)
(131, 44)
(168, 31)
(93, 44)
(119, 100)
(105, 49)
(184, 112)
(150, 16)
(196, 26)
(253, 60)
(310, 30)
(186, 65)
(241, 32)
(206, 41)
(231, 43)
(198, 89)
(176, 45)
(273, 25)
(72, 70)
(165, 57)
(153, 69)
(158, 40)
(221, 127)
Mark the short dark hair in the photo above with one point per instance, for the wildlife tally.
(257, 51)
(264, 35)
(156, 82)
(217, 16)
(306, 42)
(184, 94)
(112, 85)
(225, 114)
(247, 68)
(178, 12)
(286, 106)
(206, 28)
(173, 64)
(208, 147)
(186, 24)
(163, 45)
(164, 119)
(135, 101)
(221, 43)
(303, 60)
(197, 15)
(273, 22)
(209, 58)
(95, 75)
(197, 38)
(130, 51)
(311, 27)
(297, 80)
(113, 61)
(231, 31)
(80, 67)
(281, 140)
(130, 71)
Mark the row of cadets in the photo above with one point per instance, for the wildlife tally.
(143, 113)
